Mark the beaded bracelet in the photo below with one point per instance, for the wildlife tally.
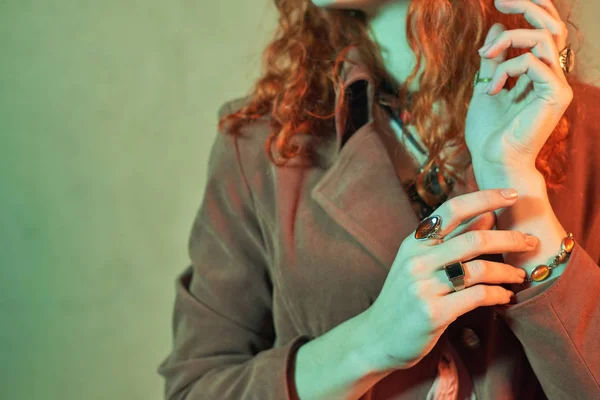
(541, 272)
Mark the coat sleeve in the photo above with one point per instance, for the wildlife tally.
(223, 332)
(558, 325)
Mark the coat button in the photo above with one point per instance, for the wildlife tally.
(470, 339)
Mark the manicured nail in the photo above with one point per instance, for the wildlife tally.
(509, 193)
(531, 240)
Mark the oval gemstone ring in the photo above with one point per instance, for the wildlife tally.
(428, 228)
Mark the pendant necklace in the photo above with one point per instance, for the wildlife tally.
(429, 190)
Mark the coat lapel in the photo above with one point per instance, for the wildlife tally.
(362, 194)
(361, 191)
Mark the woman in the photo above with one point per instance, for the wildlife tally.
(311, 275)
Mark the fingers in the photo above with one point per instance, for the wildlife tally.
(482, 271)
(540, 42)
(545, 42)
(481, 222)
(541, 14)
(467, 206)
(549, 6)
(489, 64)
(461, 302)
(475, 243)
(546, 82)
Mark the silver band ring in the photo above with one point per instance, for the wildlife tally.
(456, 275)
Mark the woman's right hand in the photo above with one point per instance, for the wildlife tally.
(418, 302)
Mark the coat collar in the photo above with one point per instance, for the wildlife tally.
(361, 191)
(352, 72)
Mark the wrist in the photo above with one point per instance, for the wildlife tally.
(525, 178)
(372, 357)
(533, 214)
(339, 364)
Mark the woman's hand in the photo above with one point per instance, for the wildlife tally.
(418, 302)
(505, 130)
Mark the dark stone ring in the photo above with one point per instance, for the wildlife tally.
(428, 228)
(456, 275)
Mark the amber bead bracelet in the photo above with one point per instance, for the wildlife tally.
(541, 272)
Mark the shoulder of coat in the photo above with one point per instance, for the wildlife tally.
(233, 105)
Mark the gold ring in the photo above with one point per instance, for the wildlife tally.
(480, 80)
(566, 58)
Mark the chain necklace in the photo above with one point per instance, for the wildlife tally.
(427, 191)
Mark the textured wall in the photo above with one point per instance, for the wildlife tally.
(107, 111)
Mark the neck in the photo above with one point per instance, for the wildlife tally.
(388, 26)
(387, 23)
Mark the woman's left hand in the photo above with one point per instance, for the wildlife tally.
(505, 130)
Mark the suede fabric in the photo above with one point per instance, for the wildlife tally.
(281, 255)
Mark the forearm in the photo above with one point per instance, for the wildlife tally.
(336, 365)
(533, 214)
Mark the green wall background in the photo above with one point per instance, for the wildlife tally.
(107, 113)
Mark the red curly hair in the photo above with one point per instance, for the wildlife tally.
(301, 75)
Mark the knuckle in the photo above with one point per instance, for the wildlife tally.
(449, 207)
(498, 25)
(505, 65)
(418, 289)
(563, 28)
(428, 310)
(415, 266)
(529, 57)
(425, 309)
(488, 220)
(457, 204)
(568, 96)
(478, 293)
(547, 34)
(504, 35)
(477, 268)
(517, 239)
(474, 239)
(487, 197)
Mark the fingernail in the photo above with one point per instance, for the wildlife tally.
(531, 240)
(485, 48)
(509, 193)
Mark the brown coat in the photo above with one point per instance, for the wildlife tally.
(282, 255)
